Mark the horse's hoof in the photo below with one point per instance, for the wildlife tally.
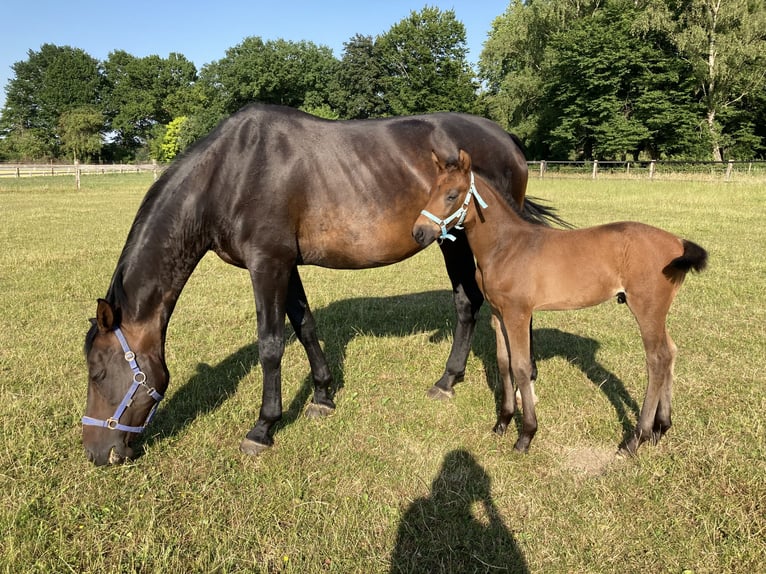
(252, 448)
(317, 411)
(439, 394)
(500, 429)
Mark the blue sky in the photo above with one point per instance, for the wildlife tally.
(203, 31)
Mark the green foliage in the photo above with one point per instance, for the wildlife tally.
(276, 71)
(80, 132)
(143, 92)
(358, 91)
(51, 82)
(605, 80)
(423, 60)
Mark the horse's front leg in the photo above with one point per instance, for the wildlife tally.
(468, 300)
(303, 324)
(270, 283)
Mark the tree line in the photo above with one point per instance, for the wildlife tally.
(575, 79)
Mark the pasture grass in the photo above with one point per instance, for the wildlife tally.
(392, 482)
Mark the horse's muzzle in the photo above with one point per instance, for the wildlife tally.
(109, 454)
(424, 235)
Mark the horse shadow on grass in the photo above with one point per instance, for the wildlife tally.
(457, 528)
(397, 316)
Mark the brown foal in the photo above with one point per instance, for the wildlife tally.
(523, 267)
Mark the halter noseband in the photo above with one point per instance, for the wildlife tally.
(139, 380)
(459, 214)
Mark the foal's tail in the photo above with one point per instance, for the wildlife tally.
(694, 258)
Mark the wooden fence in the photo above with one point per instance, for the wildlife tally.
(651, 169)
(645, 169)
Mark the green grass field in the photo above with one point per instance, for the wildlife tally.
(393, 482)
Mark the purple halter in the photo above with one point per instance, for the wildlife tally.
(139, 380)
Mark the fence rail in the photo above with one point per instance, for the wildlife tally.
(651, 169)
(644, 169)
(37, 170)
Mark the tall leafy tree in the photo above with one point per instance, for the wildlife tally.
(279, 72)
(52, 81)
(425, 69)
(358, 85)
(725, 43)
(80, 132)
(143, 92)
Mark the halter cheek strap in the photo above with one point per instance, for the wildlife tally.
(459, 214)
(139, 380)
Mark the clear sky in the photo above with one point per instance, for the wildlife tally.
(203, 30)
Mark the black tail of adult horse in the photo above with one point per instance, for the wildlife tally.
(270, 189)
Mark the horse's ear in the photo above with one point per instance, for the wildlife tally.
(441, 166)
(464, 161)
(107, 317)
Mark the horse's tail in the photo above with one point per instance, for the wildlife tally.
(694, 258)
(536, 211)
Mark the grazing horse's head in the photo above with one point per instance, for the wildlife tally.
(448, 202)
(126, 376)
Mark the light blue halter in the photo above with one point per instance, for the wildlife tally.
(459, 214)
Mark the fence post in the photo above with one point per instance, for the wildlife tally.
(595, 169)
(651, 169)
(728, 169)
(77, 174)
(543, 168)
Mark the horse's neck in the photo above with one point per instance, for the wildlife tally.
(163, 247)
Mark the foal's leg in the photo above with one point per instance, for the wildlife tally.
(508, 404)
(468, 299)
(270, 280)
(303, 323)
(516, 324)
(654, 418)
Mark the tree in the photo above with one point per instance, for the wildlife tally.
(50, 82)
(80, 131)
(279, 72)
(424, 64)
(358, 85)
(144, 92)
(725, 43)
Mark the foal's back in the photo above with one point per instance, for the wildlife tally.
(577, 268)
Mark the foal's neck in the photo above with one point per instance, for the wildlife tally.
(498, 226)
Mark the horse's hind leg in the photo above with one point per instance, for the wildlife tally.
(468, 299)
(303, 324)
(508, 402)
(654, 419)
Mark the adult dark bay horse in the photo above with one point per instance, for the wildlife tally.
(269, 189)
(523, 267)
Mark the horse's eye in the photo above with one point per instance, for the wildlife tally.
(452, 197)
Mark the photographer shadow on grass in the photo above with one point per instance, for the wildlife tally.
(457, 527)
(396, 316)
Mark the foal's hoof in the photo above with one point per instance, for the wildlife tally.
(318, 411)
(439, 394)
(252, 448)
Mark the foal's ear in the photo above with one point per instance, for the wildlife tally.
(107, 317)
(440, 165)
(464, 161)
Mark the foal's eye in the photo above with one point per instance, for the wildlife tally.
(452, 197)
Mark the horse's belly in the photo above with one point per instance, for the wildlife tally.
(355, 254)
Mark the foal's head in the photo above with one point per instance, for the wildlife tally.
(449, 201)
